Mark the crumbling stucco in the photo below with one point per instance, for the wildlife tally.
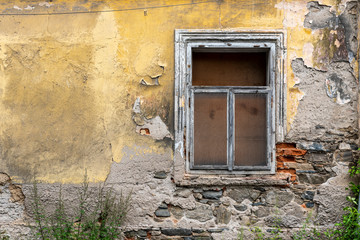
(153, 127)
(330, 192)
(319, 16)
(328, 109)
(12, 209)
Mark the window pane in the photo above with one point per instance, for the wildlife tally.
(229, 69)
(210, 129)
(250, 130)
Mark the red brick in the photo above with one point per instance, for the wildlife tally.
(285, 145)
(291, 171)
(280, 165)
(285, 159)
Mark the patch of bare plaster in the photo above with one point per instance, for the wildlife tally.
(337, 31)
(319, 16)
(330, 195)
(294, 12)
(11, 201)
(153, 127)
(328, 109)
(135, 173)
(308, 50)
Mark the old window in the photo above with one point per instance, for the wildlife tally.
(229, 101)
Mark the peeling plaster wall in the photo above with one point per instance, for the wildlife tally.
(89, 85)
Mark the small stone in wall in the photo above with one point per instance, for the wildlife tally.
(177, 212)
(261, 212)
(313, 178)
(197, 230)
(258, 204)
(162, 213)
(223, 216)
(279, 198)
(343, 156)
(240, 195)
(176, 232)
(344, 146)
(212, 194)
(308, 195)
(198, 238)
(309, 204)
(163, 206)
(183, 193)
(198, 196)
(216, 230)
(142, 233)
(160, 175)
(201, 213)
(288, 221)
(240, 208)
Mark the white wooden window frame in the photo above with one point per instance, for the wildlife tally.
(188, 41)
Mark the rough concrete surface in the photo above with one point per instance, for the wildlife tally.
(328, 109)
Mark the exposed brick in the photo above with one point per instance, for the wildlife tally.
(290, 152)
(285, 145)
(280, 165)
(291, 171)
(285, 159)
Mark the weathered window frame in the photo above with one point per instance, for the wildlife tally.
(186, 41)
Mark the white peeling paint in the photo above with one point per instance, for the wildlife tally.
(179, 147)
(17, 8)
(136, 107)
(45, 4)
(155, 127)
(29, 8)
(308, 50)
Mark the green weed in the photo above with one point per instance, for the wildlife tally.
(102, 221)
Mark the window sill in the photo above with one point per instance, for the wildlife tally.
(279, 179)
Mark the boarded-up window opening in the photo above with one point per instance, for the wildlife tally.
(229, 129)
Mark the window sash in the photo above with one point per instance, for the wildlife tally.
(231, 92)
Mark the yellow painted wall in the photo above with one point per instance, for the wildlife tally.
(69, 79)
